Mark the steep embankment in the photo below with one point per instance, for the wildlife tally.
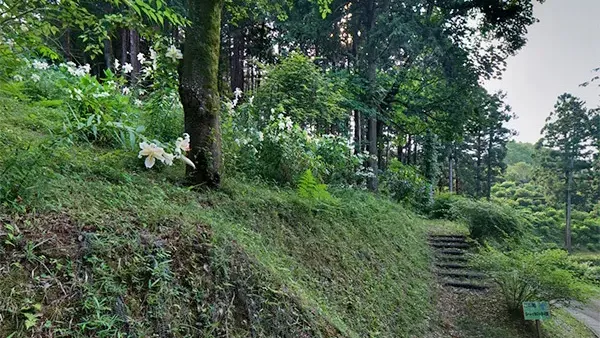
(93, 244)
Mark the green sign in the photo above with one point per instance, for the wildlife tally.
(536, 310)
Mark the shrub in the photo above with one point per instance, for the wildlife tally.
(489, 221)
(532, 276)
(404, 184)
(442, 204)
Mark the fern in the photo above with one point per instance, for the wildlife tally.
(309, 188)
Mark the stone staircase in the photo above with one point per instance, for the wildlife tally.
(451, 263)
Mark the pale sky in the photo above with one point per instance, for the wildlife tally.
(561, 51)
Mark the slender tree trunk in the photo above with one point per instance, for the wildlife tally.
(478, 168)
(237, 59)
(450, 172)
(456, 172)
(134, 49)
(408, 149)
(371, 77)
(569, 206)
(380, 146)
(399, 154)
(199, 90)
(488, 191)
(108, 54)
(357, 132)
(124, 45)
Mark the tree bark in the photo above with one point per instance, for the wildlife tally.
(237, 59)
(488, 191)
(357, 132)
(134, 48)
(108, 54)
(199, 91)
(380, 146)
(451, 172)
(371, 76)
(124, 45)
(569, 206)
(478, 167)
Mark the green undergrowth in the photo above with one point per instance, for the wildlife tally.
(94, 245)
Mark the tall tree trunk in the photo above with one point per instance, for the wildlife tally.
(237, 59)
(134, 49)
(488, 191)
(456, 172)
(124, 45)
(478, 167)
(199, 90)
(408, 150)
(357, 132)
(108, 54)
(371, 76)
(451, 171)
(569, 206)
(380, 146)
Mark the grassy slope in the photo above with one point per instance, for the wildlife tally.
(106, 247)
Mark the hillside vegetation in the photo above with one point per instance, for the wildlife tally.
(104, 247)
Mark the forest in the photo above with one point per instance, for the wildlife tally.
(139, 130)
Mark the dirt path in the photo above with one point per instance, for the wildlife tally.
(589, 314)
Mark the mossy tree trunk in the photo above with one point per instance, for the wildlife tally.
(199, 90)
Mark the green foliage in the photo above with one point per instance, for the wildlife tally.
(518, 152)
(442, 205)
(404, 184)
(309, 188)
(297, 87)
(490, 221)
(532, 276)
(138, 255)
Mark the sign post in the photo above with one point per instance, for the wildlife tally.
(536, 311)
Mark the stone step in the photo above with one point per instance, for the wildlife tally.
(461, 274)
(448, 235)
(447, 238)
(452, 258)
(465, 285)
(456, 245)
(449, 265)
(452, 251)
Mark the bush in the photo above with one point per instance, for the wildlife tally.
(532, 276)
(442, 204)
(404, 184)
(489, 221)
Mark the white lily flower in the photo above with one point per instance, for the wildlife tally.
(238, 93)
(183, 144)
(127, 68)
(35, 78)
(173, 53)
(153, 54)
(187, 161)
(168, 159)
(281, 125)
(138, 103)
(18, 78)
(117, 64)
(141, 57)
(152, 153)
(126, 91)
